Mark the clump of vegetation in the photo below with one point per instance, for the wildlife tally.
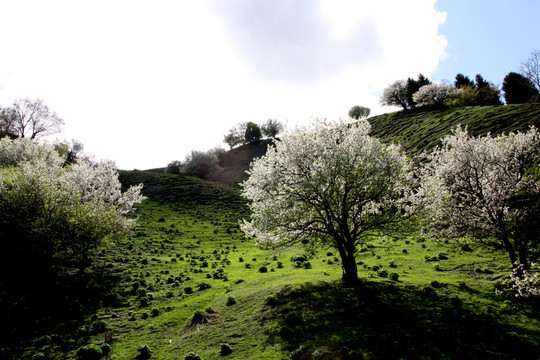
(192, 356)
(89, 352)
(225, 349)
(144, 352)
(231, 300)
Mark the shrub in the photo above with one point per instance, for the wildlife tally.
(154, 312)
(144, 352)
(271, 301)
(188, 290)
(98, 326)
(279, 265)
(382, 273)
(192, 356)
(394, 277)
(231, 300)
(106, 349)
(203, 285)
(225, 349)
(263, 269)
(89, 352)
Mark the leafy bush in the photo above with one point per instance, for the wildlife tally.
(263, 269)
(203, 285)
(192, 356)
(225, 349)
(144, 352)
(271, 300)
(89, 352)
(231, 300)
(98, 326)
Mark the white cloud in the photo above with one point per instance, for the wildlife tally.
(144, 83)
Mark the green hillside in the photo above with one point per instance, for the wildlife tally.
(187, 280)
(420, 129)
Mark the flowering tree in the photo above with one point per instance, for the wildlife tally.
(331, 184)
(396, 95)
(433, 95)
(485, 187)
(30, 118)
(53, 214)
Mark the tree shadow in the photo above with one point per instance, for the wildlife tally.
(51, 308)
(388, 321)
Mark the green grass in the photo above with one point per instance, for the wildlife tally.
(420, 129)
(440, 303)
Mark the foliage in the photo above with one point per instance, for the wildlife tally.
(463, 81)
(488, 93)
(252, 133)
(464, 95)
(30, 118)
(174, 167)
(531, 68)
(89, 352)
(331, 184)
(521, 283)
(471, 181)
(396, 95)
(202, 164)
(236, 135)
(359, 112)
(54, 214)
(434, 95)
(271, 128)
(413, 86)
(518, 89)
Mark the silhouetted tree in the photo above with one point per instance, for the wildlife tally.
(463, 81)
(253, 132)
(359, 112)
(271, 128)
(518, 89)
(488, 93)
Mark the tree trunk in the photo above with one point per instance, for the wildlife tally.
(509, 249)
(348, 264)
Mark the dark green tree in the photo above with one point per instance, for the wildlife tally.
(488, 93)
(518, 89)
(359, 112)
(253, 132)
(463, 81)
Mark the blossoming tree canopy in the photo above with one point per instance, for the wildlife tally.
(486, 187)
(329, 183)
(55, 213)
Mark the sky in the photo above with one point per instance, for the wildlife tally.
(143, 83)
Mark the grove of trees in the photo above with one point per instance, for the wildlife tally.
(53, 215)
(250, 132)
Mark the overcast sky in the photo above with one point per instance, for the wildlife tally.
(144, 83)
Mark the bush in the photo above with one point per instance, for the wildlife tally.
(271, 301)
(106, 349)
(231, 300)
(203, 285)
(89, 352)
(188, 290)
(154, 312)
(263, 269)
(192, 356)
(144, 352)
(98, 326)
(394, 277)
(225, 349)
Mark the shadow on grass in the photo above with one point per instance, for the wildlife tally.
(53, 309)
(387, 321)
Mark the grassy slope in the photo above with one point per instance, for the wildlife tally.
(441, 308)
(444, 307)
(419, 129)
